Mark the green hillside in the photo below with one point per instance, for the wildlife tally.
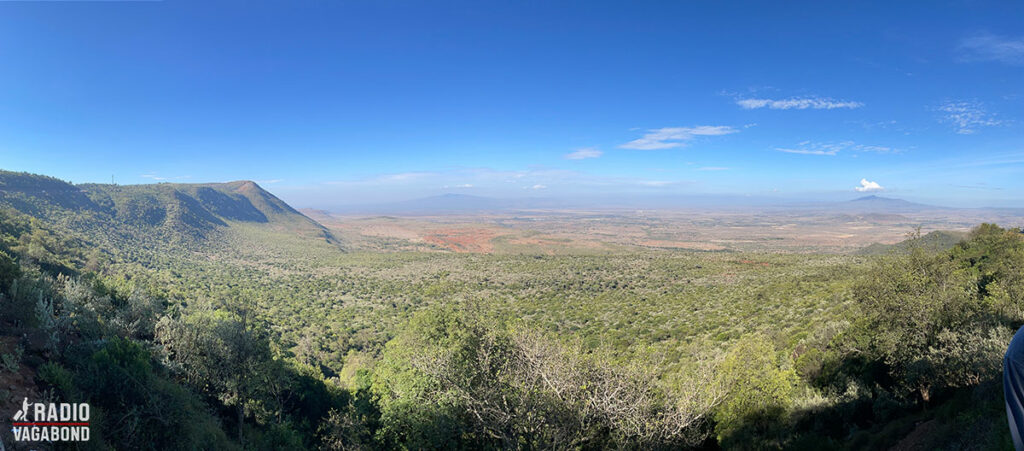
(186, 215)
(936, 241)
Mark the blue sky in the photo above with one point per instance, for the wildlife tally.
(334, 103)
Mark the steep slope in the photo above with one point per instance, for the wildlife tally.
(39, 195)
(181, 214)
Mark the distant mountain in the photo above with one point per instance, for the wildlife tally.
(454, 203)
(465, 203)
(180, 212)
(884, 205)
(451, 202)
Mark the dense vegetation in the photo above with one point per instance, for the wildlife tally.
(259, 333)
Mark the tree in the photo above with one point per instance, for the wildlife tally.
(454, 378)
(9, 271)
(221, 354)
(940, 320)
(760, 391)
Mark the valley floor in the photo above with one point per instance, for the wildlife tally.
(553, 232)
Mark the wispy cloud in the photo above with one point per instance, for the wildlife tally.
(876, 149)
(967, 116)
(832, 149)
(387, 179)
(798, 103)
(713, 168)
(488, 181)
(808, 151)
(989, 47)
(656, 183)
(158, 178)
(672, 137)
(269, 182)
(584, 153)
(868, 186)
(979, 186)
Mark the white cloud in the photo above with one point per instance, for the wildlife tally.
(388, 179)
(876, 149)
(868, 186)
(811, 148)
(487, 181)
(988, 47)
(672, 137)
(584, 153)
(403, 176)
(831, 149)
(967, 116)
(656, 183)
(808, 152)
(713, 168)
(797, 103)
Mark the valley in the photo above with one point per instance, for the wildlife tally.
(664, 296)
(839, 228)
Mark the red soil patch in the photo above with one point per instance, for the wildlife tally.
(463, 240)
(682, 245)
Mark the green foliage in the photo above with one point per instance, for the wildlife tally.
(930, 329)
(454, 378)
(9, 271)
(937, 320)
(221, 354)
(58, 377)
(11, 362)
(30, 293)
(935, 241)
(346, 429)
(138, 408)
(760, 392)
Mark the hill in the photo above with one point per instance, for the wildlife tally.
(937, 241)
(182, 213)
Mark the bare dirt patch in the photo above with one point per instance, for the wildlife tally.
(700, 246)
(469, 240)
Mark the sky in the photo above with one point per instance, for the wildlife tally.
(356, 102)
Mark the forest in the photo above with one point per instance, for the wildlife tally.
(216, 318)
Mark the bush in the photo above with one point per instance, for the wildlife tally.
(760, 392)
(58, 377)
(455, 379)
(151, 411)
(9, 271)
